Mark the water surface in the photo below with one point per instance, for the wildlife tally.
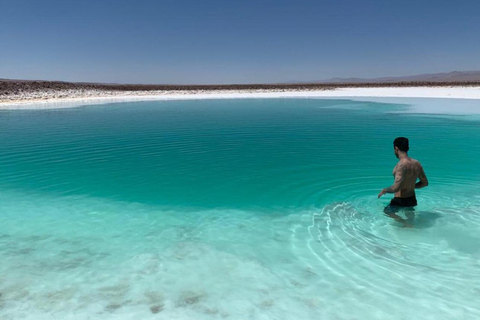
(240, 209)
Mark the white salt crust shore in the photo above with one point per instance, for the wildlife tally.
(26, 102)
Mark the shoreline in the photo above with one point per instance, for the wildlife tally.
(56, 99)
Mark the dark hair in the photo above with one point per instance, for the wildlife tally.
(401, 143)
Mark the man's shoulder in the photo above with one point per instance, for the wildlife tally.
(416, 163)
(405, 161)
(408, 163)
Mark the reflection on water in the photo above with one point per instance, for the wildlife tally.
(409, 217)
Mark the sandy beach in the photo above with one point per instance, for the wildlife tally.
(52, 95)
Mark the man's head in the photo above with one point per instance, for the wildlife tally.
(400, 144)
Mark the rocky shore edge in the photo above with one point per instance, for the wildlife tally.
(31, 90)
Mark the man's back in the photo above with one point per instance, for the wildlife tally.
(406, 172)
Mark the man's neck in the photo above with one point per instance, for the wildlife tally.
(402, 155)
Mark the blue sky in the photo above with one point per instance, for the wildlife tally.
(261, 41)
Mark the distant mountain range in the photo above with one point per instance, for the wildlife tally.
(455, 76)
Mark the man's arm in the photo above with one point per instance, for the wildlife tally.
(397, 184)
(423, 180)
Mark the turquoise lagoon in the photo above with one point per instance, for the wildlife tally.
(236, 209)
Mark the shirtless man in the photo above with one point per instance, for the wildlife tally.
(406, 173)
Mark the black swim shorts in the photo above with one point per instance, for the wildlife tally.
(404, 202)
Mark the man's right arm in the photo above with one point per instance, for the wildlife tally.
(423, 180)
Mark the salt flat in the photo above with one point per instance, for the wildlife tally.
(75, 99)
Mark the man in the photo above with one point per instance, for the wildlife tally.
(406, 173)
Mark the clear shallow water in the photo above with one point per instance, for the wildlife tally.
(241, 209)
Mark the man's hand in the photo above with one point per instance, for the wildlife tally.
(382, 193)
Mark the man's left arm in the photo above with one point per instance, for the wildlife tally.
(397, 184)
